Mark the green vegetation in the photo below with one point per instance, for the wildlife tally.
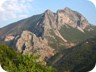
(81, 58)
(76, 36)
(12, 61)
(72, 34)
(56, 42)
(55, 58)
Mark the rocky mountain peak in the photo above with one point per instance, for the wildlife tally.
(48, 11)
(72, 18)
(67, 9)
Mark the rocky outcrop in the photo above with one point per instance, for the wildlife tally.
(24, 42)
(29, 43)
(71, 18)
(9, 38)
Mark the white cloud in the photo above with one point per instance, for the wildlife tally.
(1, 9)
(14, 8)
(93, 1)
(1, 2)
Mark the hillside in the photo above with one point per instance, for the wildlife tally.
(81, 58)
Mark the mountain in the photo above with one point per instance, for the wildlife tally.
(47, 20)
(48, 33)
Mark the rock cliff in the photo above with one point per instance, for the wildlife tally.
(29, 43)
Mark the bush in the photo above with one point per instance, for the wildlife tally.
(15, 62)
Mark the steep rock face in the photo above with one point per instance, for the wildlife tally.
(49, 21)
(24, 42)
(29, 43)
(72, 18)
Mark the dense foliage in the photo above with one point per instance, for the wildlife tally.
(12, 61)
(81, 58)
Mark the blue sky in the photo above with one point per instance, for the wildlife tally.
(14, 10)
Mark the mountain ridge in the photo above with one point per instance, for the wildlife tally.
(32, 17)
(47, 33)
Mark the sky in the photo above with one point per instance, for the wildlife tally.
(14, 10)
